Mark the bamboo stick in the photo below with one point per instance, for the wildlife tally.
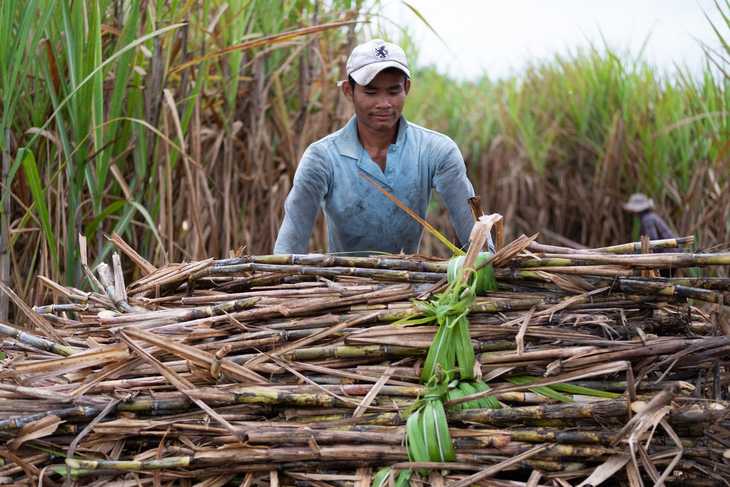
(324, 260)
(328, 272)
(114, 292)
(662, 261)
(196, 356)
(34, 317)
(142, 263)
(36, 341)
(617, 249)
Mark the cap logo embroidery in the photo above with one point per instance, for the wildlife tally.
(381, 52)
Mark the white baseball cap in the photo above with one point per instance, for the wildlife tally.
(368, 59)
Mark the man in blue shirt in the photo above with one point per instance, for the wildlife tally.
(403, 158)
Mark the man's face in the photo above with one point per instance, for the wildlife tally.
(379, 104)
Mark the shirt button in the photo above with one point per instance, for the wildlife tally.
(390, 170)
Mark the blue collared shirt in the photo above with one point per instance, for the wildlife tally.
(359, 217)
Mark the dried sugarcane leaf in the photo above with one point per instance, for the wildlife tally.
(511, 250)
(142, 263)
(183, 386)
(76, 362)
(374, 391)
(646, 418)
(34, 317)
(170, 276)
(520, 337)
(568, 282)
(194, 355)
(37, 429)
(30, 470)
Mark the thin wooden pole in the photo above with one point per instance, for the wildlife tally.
(4, 231)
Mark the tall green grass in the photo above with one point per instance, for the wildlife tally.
(560, 148)
(175, 124)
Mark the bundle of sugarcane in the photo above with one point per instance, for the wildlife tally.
(330, 370)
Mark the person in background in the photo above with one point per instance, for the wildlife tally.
(403, 158)
(650, 223)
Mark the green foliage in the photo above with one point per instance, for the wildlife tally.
(133, 113)
(551, 391)
(20, 34)
(427, 429)
(28, 161)
(467, 388)
(562, 145)
(448, 309)
(483, 280)
(382, 478)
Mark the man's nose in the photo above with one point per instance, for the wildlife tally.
(382, 99)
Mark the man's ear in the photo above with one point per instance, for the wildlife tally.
(407, 86)
(347, 90)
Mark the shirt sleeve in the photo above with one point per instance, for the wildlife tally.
(311, 183)
(452, 183)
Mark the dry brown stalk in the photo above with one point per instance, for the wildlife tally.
(617, 249)
(168, 276)
(140, 261)
(196, 356)
(195, 386)
(183, 386)
(39, 343)
(36, 319)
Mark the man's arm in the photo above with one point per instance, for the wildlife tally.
(302, 205)
(656, 228)
(452, 183)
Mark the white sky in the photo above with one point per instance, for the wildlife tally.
(502, 37)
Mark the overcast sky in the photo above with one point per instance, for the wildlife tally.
(501, 37)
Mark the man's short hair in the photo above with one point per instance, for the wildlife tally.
(352, 81)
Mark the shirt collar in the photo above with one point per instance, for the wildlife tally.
(349, 145)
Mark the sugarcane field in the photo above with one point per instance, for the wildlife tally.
(260, 243)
